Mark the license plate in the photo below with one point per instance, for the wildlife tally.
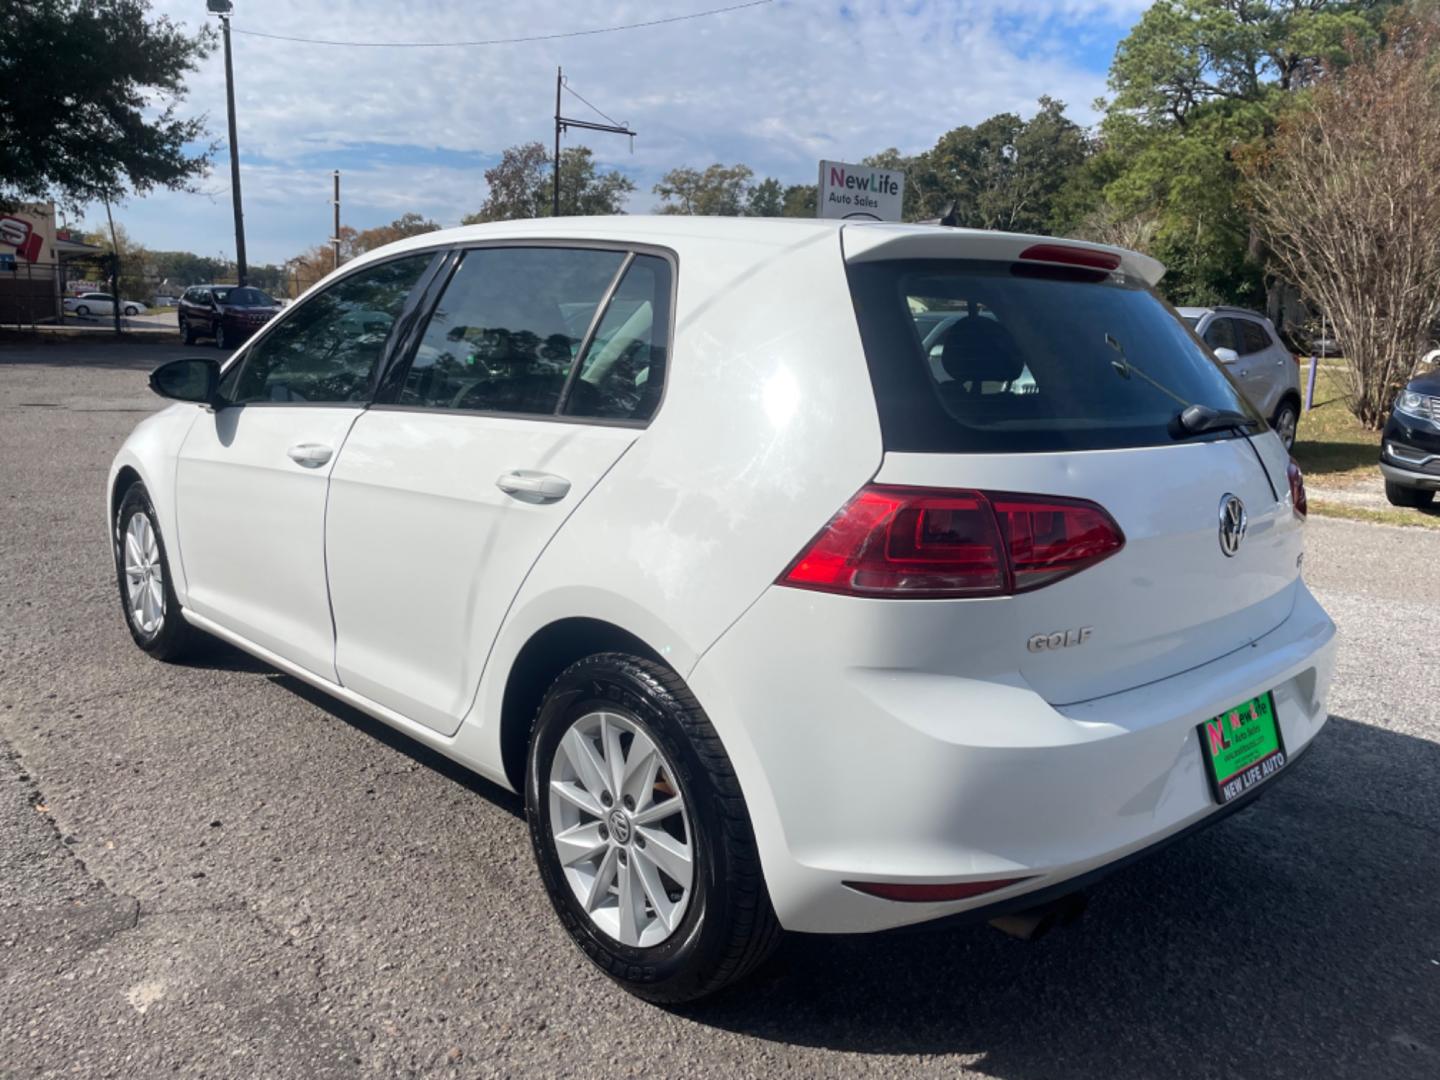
(1242, 747)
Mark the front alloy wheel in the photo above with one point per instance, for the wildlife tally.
(142, 570)
(144, 575)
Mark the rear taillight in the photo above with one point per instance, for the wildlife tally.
(1070, 255)
(926, 544)
(1297, 489)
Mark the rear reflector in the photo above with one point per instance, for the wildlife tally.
(928, 544)
(1093, 258)
(930, 894)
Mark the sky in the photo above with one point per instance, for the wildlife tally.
(777, 87)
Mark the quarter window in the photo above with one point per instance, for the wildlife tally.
(622, 373)
(325, 351)
(508, 329)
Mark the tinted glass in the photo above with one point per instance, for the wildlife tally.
(325, 350)
(507, 329)
(248, 297)
(1026, 359)
(1220, 334)
(622, 374)
(1253, 337)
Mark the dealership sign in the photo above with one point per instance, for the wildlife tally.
(860, 192)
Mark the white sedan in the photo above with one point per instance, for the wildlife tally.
(99, 303)
(780, 619)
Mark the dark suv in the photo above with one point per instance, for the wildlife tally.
(1410, 447)
(227, 313)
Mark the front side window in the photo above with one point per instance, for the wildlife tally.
(325, 350)
(1253, 337)
(622, 373)
(1220, 334)
(508, 329)
(993, 357)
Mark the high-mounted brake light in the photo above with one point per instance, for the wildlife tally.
(1297, 489)
(929, 544)
(1091, 258)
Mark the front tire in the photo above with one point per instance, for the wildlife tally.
(220, 336)
(147, 591)
(1411, 498)
(641, 833)
(187, 332)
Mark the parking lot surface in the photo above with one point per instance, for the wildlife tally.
(214, 870)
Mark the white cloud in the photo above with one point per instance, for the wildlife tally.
(775, 87)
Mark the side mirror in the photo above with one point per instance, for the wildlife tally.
(188, 380)
(1226, 356)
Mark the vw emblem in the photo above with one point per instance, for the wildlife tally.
(619, 827)
(1233, 523)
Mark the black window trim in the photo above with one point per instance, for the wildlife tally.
(400, 361)
(417, 291)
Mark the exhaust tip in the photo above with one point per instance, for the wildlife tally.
(1034, 923)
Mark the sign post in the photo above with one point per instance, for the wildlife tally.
(859, 192)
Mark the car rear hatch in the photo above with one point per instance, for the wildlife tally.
(1040, 381)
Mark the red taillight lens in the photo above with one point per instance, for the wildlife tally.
(1297, 489)
(924, 544)
(923, 894)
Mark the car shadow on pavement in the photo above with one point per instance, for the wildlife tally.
(1300, 936)
(402, 743)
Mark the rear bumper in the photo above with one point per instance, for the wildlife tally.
(856, 772)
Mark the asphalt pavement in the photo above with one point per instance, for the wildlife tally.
(212, 870)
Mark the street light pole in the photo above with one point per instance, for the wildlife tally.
(223, 9)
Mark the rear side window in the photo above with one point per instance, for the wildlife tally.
(1253, 337)
(992, 357)
(622, 373)
(508, 329)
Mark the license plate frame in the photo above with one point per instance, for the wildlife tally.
(1242, 748)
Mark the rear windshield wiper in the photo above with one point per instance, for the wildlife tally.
(1198, 419)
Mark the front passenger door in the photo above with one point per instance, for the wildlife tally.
(252, 476)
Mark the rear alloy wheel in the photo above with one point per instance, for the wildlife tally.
(1286, 423)
(143, 571)
(82, 310)
(641, 834)
(132, 310)
(1412, 498)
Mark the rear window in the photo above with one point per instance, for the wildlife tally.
(993, 357)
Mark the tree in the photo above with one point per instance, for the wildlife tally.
(521, 185)
(1193, 81)
(408, 224)
(766, 199)
(719, 190)
(88, 101)
(137, 271)
(801, 200)
(1348, 196)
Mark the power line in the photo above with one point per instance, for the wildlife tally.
(504, 41)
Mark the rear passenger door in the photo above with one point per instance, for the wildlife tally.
(535, 372)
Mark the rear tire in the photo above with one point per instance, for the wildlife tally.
(132, 310)
(1411, 498)
(1286, 423)
(82, 310)
(142, 570)
(698, 937)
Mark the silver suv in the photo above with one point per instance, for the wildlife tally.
(1246, 343)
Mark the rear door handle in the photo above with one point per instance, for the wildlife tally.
(309, 454)
(535, 486)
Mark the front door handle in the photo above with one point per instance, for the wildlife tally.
(533, 486)
(311, 455)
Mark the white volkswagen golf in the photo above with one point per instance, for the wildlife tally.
(806, 575)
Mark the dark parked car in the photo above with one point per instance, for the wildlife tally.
(227, 313)
(1410, 449)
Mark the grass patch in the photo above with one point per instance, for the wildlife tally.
(1332, 446)
(1394, 515)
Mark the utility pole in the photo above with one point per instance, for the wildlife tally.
(223, 9)
(335, 239)
(563, 123)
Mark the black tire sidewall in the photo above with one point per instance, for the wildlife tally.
(685, 957)
(220, 335)
(172, 627)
